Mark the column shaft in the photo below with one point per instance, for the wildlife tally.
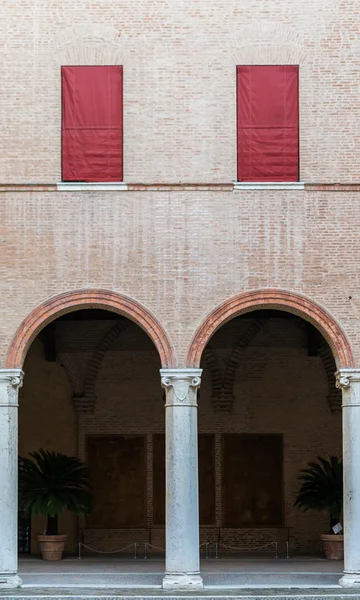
(182, 504)
(349, 381)
(10, 381)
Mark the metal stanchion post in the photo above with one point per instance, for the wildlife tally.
(216, 550)
(287, 550)
(206, 549)
(145, 550)
(135, 550)
(79, 551)
(276, 550)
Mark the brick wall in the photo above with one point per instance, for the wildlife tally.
(180, 253)
(277, 388)
(179, 81)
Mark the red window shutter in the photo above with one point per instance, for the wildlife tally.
(92, 123)
(268, 123)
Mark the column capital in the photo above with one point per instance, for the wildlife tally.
(345, 377)
(13, 376)
(181, 386)
(10, 382)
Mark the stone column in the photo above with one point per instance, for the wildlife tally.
(10, 381)
(182, 569)
(349, 382)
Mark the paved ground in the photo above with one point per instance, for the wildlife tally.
(230, 573)
(140, 594)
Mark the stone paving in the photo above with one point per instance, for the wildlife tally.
(140, 594)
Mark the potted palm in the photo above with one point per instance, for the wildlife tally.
(49, 484)
(322, 489)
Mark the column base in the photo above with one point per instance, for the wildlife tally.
(182, 581)
(8, 582)
(350, 580)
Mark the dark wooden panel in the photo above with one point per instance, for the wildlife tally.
(252, 487)
(206, 479)
(117, 470)
(159, 478)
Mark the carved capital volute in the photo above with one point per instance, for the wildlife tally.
(342, 381)
(180, 386)
(10, 382)
(348, 380)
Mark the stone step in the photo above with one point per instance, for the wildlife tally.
(207, 594)
(153, 580)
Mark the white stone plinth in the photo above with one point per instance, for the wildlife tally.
(349, 382)
(350, 580)
(182, 502)
(9, 581)
(182, 582)
(10, 381)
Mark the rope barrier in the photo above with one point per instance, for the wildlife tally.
(155, 547)
(246, 549)
(204, 544)
(105, 551)
(242, 548)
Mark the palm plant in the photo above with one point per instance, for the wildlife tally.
(50, 483)
(322, 487)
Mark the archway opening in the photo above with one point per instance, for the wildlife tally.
(92, 390)
(268, 405)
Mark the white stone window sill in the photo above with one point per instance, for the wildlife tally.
(268, 185)
(98, 186)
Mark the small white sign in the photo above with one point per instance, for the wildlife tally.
(337, 528)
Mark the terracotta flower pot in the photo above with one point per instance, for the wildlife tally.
(52, 546)
(333, 546)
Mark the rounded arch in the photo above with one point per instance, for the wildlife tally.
(278, 300)
(84, 299)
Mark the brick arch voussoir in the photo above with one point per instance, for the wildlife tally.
(212, 364)
(278, 300)
(237, 353)
(213, 367)
(334, 394)
(327, 358)
(96, 360)
(71, 371)
(84, 299)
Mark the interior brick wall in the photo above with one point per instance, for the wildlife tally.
(47, 419)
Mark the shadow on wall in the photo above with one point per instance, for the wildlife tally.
(47, 420)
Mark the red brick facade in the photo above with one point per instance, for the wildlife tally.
(180, 241)
(179, 250)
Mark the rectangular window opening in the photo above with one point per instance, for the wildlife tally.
(268, 123)
(92, 123)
